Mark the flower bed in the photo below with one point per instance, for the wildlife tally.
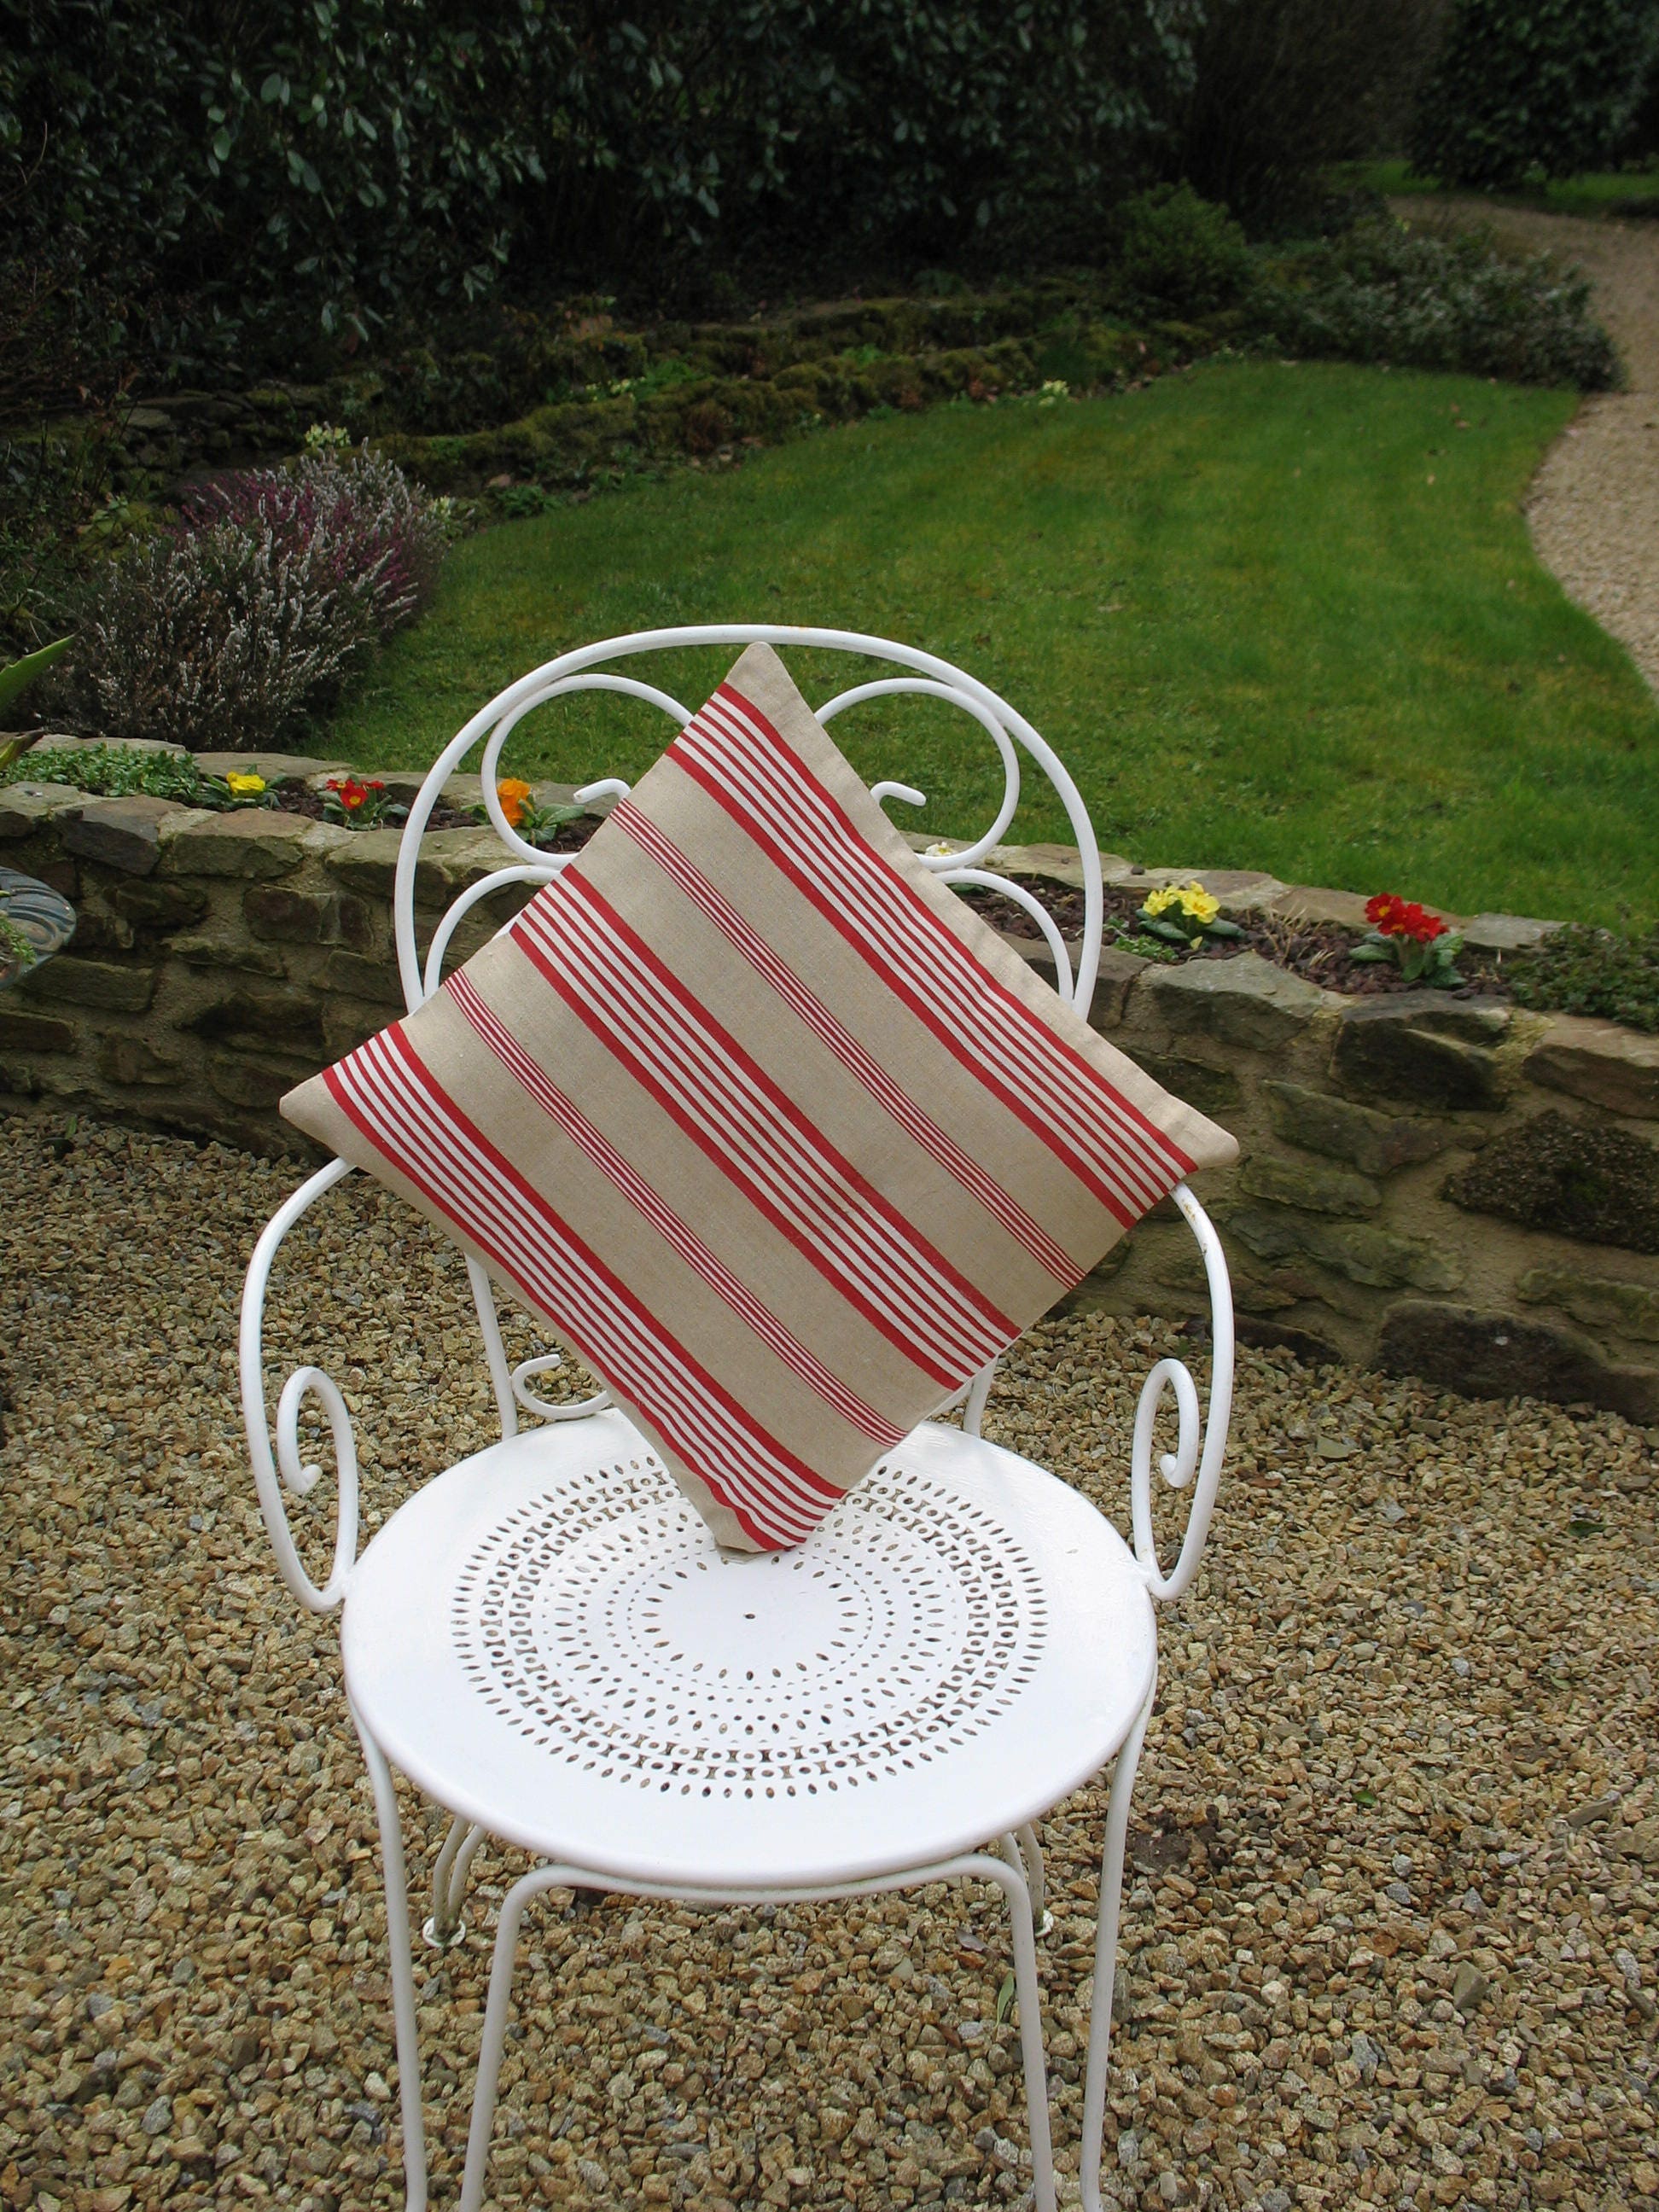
(1323, 952)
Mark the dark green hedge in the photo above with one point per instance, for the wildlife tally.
(191, 183)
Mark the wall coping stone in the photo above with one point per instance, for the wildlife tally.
(257, 842)
(276, 768)
(27, 807)
(1600, 1061)
(122, 833)
(1244, 1002)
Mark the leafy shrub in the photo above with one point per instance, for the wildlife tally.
(1423, 300)
(1282, 88)
(1544, 90)
(231, 628)
(1580, 970)
(1181, 253)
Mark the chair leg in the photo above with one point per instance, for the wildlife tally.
(494, 2025)
(1031, 1851)
(1010, 1876)
(445, 1927)
(1111, 1897)
(402, 1968)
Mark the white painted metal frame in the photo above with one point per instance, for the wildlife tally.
(278, 1465)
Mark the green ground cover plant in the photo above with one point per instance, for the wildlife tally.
(1273, 616)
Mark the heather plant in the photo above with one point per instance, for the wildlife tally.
(249, 615)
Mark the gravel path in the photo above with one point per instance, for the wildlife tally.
(1391, 1935)
(1594, 503)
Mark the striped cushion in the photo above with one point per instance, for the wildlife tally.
(761, 1120)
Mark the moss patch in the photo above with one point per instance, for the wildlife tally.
(1573, 1178)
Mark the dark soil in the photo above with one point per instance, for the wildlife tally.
(1319, 951)
(296, 798)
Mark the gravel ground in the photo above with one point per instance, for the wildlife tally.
(1391, 1938)
(1594, 507)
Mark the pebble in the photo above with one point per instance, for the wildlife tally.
(195, 2003)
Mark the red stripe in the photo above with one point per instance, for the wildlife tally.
(1053, 1059)
(442, 1140)
(968, 1172)
(819, 816)
(807, 1178)
(901, 1335)
(706, 1264)
(531, 1271)
(425, 1173)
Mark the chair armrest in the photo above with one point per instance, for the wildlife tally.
(272, 1469)
(1202, 1441)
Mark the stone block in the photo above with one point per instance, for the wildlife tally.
(1315, 1190)
(1379, 1259)
(1119, 974)
(1212, 1090)
(290, 1019)
(1245, 1001)
(1266, 1333)
(356, 922)
(451, 861)
(366, 861)
(291, 917)
(125, 1058)
(1615, 1067)
(1316, 903)
(152, 904)
(1505, 932)
(1497, 1355)
(217, 949)
(1241, 890)
(1414, 1046)
(26, 1032)
(124, 834)
(252, 1082)
(101, 983)
(346, 1026)
(1587, 1179)
(350, 974)
(276, 768)
(1377, 1143)
(26, 808)
(256, 844)
(1599, 1302)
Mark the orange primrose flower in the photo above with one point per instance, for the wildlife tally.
(512, 794)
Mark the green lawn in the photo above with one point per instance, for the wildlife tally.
(1273, 616)
(1598, 191)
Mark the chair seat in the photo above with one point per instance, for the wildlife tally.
(548, 1641)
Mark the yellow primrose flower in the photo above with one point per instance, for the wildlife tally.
(245, 787)
(1193, 902)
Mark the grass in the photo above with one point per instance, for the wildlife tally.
(1603, 191)
(1273, 616)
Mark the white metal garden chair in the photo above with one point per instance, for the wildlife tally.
(982, 1642)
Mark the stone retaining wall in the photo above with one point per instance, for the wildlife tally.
(1458, 1189)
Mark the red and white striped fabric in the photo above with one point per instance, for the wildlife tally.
(761, 1120)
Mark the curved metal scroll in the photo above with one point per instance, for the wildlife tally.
(1201, 1443)
(283, 1468)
